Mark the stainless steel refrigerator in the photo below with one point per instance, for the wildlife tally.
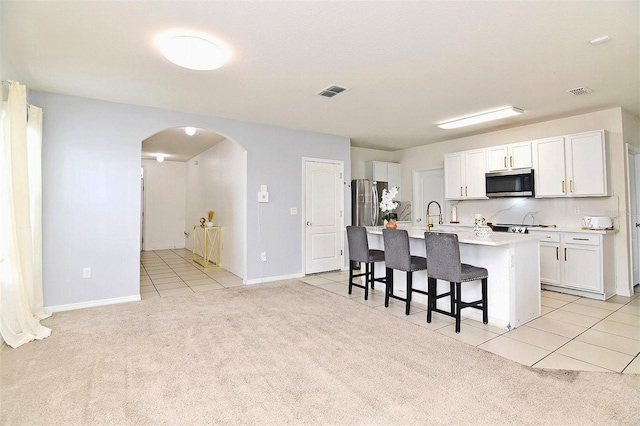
(365, 202)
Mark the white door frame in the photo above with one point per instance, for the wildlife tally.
(303, 224)
(414, 175)
(631, 153)
(142, 203)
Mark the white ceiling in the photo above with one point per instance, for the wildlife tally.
(408, 65)
(175, 145)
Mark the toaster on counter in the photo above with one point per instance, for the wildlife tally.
(597, 222)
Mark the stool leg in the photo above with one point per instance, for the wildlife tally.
(366, 281)
(485, 310)
(458, 303)
(350, 277)
(452, 298)
(389, 288)
(431, 290)
(373, 274)
(409, 292)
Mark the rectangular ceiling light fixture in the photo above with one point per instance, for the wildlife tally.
(481, 118)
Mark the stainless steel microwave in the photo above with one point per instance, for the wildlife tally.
(512, 183)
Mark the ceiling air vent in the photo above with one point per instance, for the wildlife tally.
(331, 91)
(579, 91)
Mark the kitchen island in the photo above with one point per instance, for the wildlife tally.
(513, 262)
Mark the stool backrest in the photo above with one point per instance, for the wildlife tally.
(358, 244)
(397, 254)
(443, 256)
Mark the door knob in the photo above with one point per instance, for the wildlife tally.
(637, 225)
(308, 223)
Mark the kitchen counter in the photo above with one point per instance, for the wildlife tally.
(572, 229)
(468, 237)
(514, 274)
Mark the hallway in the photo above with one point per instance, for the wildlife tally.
(172, 272)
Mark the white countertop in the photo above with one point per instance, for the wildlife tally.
(445, 226)
(496, 239)
(573, 229)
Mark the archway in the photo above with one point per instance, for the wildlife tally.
(203, 172)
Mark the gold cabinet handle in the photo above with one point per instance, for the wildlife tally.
(571, 185)
(557, 257)
(466, 193)
(565, 254)
(461, 193)
(562, 186)
(511, 160)
(505, 162)
(580, 239)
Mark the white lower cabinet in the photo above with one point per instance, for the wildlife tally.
(550, 271)
(578, 263)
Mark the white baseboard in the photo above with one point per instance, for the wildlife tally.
(271, 279)
(92, 303)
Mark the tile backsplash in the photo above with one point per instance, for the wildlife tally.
(562, 212)
(404, 211)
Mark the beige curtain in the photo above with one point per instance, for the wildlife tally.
(21, 301)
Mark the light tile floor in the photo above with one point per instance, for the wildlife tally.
(173, 272)
(574, 333)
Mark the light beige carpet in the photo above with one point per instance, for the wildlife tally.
(283, 353)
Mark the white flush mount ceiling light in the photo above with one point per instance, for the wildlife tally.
(481, 118)
(159, 158)
(600, 40)
(193, 51)
(190, 131)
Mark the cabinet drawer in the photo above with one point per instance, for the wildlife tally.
(579, 238)
(550, 237)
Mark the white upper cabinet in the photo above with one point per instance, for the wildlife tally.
(393, 175)
(384, 171)
(586, 164)
(548, 167)
(380, 171)
(509, 157)
(570, 166)
(464, 175)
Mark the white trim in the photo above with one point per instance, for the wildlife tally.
(631, 150)
(271, 279)
(93, 303)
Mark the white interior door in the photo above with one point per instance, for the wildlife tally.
(428, 185)
(324, 206)
(634, 193)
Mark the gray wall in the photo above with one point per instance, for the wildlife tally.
(91, 200)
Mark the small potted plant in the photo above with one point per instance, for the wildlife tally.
(387, 205)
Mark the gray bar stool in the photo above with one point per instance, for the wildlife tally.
(359, 252)
(397, 256)
(443, 255)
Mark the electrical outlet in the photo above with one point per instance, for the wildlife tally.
(263, 256)
(576, 210)
(86, 273)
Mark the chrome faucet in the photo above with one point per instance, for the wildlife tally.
(429, 215)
